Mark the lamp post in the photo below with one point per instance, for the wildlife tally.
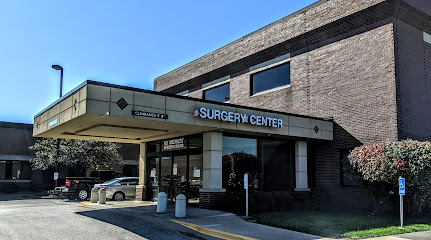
(58, 67)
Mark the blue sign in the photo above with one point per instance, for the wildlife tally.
(402, 186)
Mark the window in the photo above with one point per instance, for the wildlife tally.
(220, 93)
(239, 157)
(271, 78)
(15, 170)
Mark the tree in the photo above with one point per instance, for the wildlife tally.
(74, 153)
(381, 164)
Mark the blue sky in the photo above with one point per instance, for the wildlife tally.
(120, 42)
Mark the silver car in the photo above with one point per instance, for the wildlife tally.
(119, 189)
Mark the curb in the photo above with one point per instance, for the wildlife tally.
(213, 232)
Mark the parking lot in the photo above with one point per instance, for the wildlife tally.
(25, 216)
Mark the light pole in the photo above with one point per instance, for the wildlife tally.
(58, 67)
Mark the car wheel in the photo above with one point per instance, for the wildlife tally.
(82, 194)
(118, 196)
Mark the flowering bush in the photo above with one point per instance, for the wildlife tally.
(383, 163)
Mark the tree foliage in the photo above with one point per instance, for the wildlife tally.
(75, 153)
(383, 163)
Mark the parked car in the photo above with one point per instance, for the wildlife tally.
(120, 188)
(80, 187)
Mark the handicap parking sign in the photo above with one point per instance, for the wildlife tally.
(402, 186)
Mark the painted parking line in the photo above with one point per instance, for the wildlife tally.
(213, 232)
(212, 225)
(223, 215)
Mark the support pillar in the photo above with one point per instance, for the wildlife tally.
(211, 195)
(301, 172)
(141, 188)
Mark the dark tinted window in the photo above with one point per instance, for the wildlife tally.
(218, 94)
(15, 170)
(271, 78)
(116, 175)
(239, 157)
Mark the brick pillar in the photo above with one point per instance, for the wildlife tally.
(141, 188)
(301, 173)
(211, 194)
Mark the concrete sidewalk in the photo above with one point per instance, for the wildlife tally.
(210, 222)
(226, 225)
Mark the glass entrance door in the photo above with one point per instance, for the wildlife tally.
(169, 175)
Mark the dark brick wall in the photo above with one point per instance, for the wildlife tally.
(423, 5)
(211, 200)
(15, 138)
(413, 69)
(129, 151)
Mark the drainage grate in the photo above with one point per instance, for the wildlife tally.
(122, 103)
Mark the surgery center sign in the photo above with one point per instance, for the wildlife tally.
(226, 116)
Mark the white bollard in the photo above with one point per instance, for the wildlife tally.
(102, 196)
(94, 195)
(161, 202)
(180, 206)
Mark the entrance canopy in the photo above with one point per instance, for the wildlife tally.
(106, 112)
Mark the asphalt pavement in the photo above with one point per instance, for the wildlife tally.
(29, 217)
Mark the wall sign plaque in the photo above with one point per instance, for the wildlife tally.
(226, 116)
(149, 114)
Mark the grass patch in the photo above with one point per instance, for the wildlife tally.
(377, 232)
(339, 225)
(46, 193)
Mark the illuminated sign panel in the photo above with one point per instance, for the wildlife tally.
(226, 116)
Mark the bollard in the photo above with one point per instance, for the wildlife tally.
(161, 202)
(102, 196)
(94, 195)
(180, 206)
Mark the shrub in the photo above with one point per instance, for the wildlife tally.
(381, 164)
(261, 202)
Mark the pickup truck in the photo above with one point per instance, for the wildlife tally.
(80, 187)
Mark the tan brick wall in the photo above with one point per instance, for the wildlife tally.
(286, 28)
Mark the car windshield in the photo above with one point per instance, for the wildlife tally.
(110, 182)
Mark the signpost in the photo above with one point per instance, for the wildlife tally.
(56, 176)
(246, 193)
(402, 191)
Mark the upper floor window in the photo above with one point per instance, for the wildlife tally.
(219, 93)
(268, 79)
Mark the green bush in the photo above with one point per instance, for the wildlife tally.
(277, 201)
(381, 164)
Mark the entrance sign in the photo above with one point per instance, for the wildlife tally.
(173, 144)
(149, 114)
(226, 116)
(402, 190)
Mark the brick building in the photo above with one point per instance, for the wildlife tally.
(15, 168)
(337, 74)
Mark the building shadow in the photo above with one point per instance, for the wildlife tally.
(144, 221)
